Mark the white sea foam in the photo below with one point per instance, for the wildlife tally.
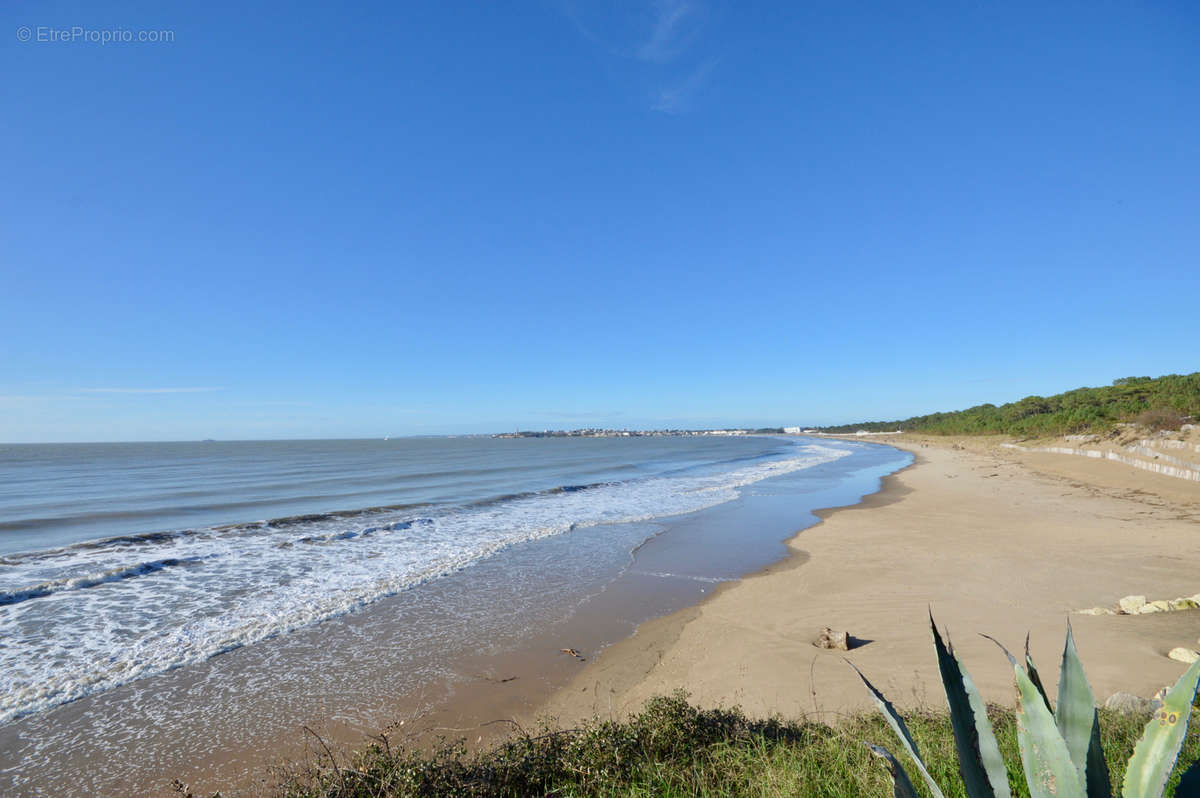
(89, 618)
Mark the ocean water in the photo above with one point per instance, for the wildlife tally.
(120, 562)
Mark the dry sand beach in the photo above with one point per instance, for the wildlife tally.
(992, 540)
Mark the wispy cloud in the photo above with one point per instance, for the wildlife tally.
(147, 390)
(677, 98)
(662, 36)
(675, 24)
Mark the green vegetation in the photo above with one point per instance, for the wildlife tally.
(674, 749)
(1061, 747)
(1164, 400)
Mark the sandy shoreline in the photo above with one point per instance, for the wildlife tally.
(992, 540)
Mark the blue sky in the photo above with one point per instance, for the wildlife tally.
(310, 220)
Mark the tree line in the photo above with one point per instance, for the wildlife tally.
(1157, 402)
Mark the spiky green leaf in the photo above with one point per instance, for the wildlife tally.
(901, 729)
(1034, 676)
(1049, 771)
(1079, 723)
(989, 748)
(1096, 779)
(902, 786)
(979, 759)
(1155, 753)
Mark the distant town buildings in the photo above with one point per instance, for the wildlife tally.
(628, 433)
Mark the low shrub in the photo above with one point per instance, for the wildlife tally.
(1160, 419)
(672, 748)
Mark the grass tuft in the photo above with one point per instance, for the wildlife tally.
(672, 748)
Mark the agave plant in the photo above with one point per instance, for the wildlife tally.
(1060, 747)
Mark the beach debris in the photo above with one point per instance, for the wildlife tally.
(1130, 704)
(572, 652)
(1184, 655)
(1138, 605)
(831, 639)
(1132, 605)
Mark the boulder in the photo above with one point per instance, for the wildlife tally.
(831, 639)
(1185, 604)
(1129, 704)
(1131, 605)
(1184, 655)
(1097, 611)
(1158, 605)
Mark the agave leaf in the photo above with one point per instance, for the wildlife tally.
(1078, 722)
(979, 759)
(1154, 755)
(898, 726)
(1034, 676)
(902, 786)
(1096, 776)
(1049, 771)
(990, 751)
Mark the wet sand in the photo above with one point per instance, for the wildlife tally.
(990, 540)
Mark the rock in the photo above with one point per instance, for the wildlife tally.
(1097, 611)
(1184, 655)
(1130, 605)
(1185, 604)
(1129, 704)
(831, 639)
(1159, 605)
